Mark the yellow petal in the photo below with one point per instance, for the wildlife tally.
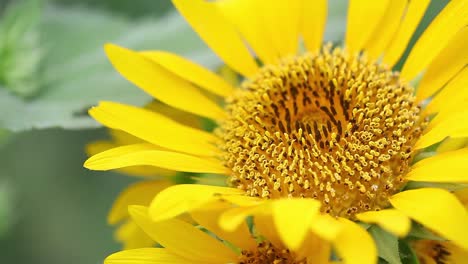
(386, 29)
(132, 236)
(453, 124)
(138, 171)
(326, 226)
(183, 239)
(449, 166)
(445, 65)
(190, 71)
(355, 245)
(220, 35)
(239, 13)
(413, 15)
(161, 83)
(363, 17)
(265, 225)
(452, 144)
(147, 256)
(281, 22)
(233, 218)
(437, 35)
(182, 198)
(146, 154)
(436, 209)
(315, 249)
(313, 20)
(292, 219)
(389, 219)
(240, 236)
(452, 95)
(154, 128)
(136, 194)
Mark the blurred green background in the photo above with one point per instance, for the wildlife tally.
(52, 68)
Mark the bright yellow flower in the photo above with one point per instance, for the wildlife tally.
(333, 125)
(184, 243)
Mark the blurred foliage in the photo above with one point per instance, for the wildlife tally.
(134, 8)
(75, 72)
(20, 52)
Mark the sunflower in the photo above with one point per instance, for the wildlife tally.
(185, 243)
(336, 125)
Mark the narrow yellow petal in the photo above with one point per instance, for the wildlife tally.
(183, 198)
(436, 209)
(265, 225)
(147, 256)
(445, 65)
(315, 249)
(313, 20)
(389, 219)
(292, 219)
(355, 245)
(161, 83)
(220, 35)
(239, 13)
(444, 125)
(239, 237)
(190, 71)
(155, 128)
(386, 29)
(437, 35)
(452, 95)
(137, 171)
(132, 236)
(449, 166)
(413, 15)
(326, 226)
(183, 239)
(363, 18)
(140, 193)
(146, 154)
(452, 144)
(281, 22)
(233, 218)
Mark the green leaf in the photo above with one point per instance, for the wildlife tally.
(419, 232)
(77, 73)
(387, 245)
(407, 254)
(20, 52)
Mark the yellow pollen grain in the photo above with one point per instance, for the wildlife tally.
(330, 126)
(267, 253)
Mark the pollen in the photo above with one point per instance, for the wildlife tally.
(330, 125)
(268, 253)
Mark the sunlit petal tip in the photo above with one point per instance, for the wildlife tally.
(438, 210)
(355, 245)
(183, 198)
(390, 219)
(292, 218)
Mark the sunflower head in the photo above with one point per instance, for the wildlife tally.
(333, 126)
